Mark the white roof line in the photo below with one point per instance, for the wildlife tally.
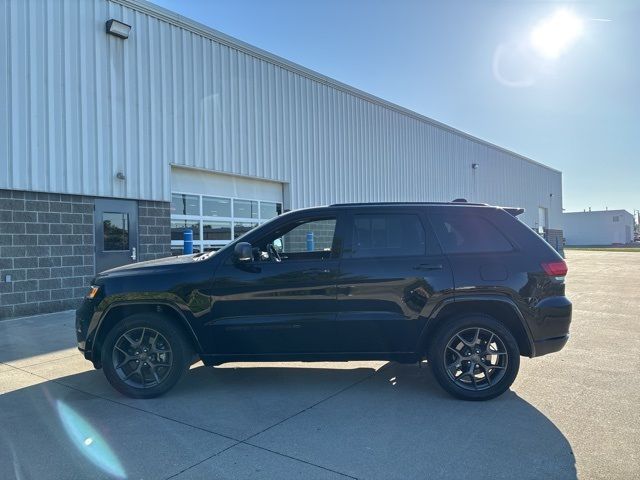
(600, 211)
(205, 31)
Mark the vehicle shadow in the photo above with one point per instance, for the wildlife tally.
(393, 422)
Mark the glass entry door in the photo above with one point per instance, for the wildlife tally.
(116, 233)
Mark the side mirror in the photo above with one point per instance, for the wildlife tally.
(243, 252)
(277, 244)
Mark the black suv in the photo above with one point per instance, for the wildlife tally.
(466, 286)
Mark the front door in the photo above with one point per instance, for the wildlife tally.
(284, 302)
(116, 233)
(392, 275)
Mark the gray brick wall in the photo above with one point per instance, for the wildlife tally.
(154, 230)
(47, 248)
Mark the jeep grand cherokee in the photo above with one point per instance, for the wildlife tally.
(466, 286)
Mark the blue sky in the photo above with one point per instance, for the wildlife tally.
(470, 64)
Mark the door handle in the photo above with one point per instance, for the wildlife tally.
(316, 271)
(428, 266)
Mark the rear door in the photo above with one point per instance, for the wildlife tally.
(392, 275)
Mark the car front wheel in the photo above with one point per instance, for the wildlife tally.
(475, 357)
(144, 356)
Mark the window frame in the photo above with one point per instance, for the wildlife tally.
(336, 247)
(431, 247)
(430, 215)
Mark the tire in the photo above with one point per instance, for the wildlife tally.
(155, 365)
(469, 367)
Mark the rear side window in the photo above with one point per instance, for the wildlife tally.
(387, 235)
(468, 234)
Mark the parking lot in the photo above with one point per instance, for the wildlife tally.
(570, 414)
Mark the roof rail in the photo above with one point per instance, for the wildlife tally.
(358, 204)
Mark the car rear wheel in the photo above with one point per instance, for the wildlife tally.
(144, 356)
(475, 357)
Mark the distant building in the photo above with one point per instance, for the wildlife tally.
(598, 228)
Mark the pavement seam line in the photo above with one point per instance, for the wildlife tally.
(311, 406)
(246, 440)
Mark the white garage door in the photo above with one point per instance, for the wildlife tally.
(218, 207)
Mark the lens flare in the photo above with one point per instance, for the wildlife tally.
(553, 36)
(88, 441)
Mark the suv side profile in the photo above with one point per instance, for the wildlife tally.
(466, 286)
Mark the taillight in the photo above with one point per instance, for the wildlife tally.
(555, 269)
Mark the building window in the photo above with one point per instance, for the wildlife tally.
(116, 231)
(616, 218)
(215, 221)
(182, 204)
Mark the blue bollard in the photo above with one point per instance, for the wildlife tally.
(187, 249)
(310, 242)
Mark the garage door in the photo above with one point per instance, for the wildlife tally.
(218, 207)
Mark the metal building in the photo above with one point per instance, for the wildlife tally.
(605, 227)
(114, 139)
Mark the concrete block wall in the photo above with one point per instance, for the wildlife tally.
(154, 230)
(47, 248)
(46, 251)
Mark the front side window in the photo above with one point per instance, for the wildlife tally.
(387, 235)
(115, 227)
(468, 234)
(301, 240)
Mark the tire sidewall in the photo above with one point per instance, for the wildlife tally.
(441, 340)
(173, 334)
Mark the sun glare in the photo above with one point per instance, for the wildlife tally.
(553, 36)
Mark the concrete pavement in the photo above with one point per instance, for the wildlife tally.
(574, 413)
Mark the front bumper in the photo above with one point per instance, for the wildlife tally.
(552, 326)
(84, 315)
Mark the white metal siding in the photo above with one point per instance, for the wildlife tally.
(83, 105)
(598, 228)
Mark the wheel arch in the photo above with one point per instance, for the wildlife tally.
(500, 308)
(117, 312)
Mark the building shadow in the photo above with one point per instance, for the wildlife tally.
(393, 422)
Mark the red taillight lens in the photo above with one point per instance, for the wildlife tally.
(555, 269)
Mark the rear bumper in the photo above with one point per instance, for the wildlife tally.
(552, 327)
(550, 345)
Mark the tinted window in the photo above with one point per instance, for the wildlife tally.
(387, 236)
(116, 231)
(468, 234)
(315, 236)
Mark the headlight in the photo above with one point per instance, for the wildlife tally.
(93, 291)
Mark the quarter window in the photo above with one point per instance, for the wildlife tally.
(468, 234)
(387, 236)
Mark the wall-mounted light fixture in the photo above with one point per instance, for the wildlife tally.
(118, 29)
(120, 176)
(475, 166)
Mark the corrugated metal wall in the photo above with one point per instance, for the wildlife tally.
(82, 105)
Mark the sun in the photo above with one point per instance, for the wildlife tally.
(553, 36)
